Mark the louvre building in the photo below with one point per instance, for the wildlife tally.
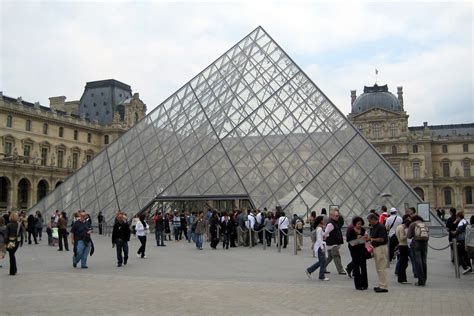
(251, 126)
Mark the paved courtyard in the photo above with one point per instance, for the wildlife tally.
(180, 280)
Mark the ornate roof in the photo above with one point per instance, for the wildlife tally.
(376, 97)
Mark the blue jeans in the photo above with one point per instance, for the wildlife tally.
(411, 255)
(190, 234)
(82, 251)
(122, 245)
(420, 251)
(159, 236)
(177, 230)
(199, 240)
(321, 263)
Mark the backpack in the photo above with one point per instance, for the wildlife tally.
(299, 224)
(422, 232)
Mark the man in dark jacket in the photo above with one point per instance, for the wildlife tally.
(159, 221)
(120, 239)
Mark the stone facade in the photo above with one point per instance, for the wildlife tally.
(41, 146)
(435, 160)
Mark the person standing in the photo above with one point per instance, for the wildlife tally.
(14, 237)
(81, 240)
(379, 238)
(356, 239)
(100, 220)
(469, 239)
(141, 230)
(199, 230)
(334, 240)
(226, 228)
(159, 229)
(62, 232)
(213, 229)
(3, 238)
(320, 249)
(176, 225)
(401, 233)
(120, 239)
(391, 225)
(464, 260)
(31, 229)
(39, 223)
(283, 223)
(418, 233)
(268, 226)
(298, 226)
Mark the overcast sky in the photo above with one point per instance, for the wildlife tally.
(51, 48)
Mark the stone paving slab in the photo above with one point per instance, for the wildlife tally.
(181, 280)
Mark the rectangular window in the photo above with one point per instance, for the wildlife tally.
(44, 156)
(444, 149)
(76, 135)
(8, 149)
(28, 125)
(26, 150)
(75, 159)
(61, 132)
(416, 170)
(447, 196)
(468, 193)
(467, 168)
(60, 158)
(415, 149)
(45, 128)
(446, 169)
(465, 148)
(9, 121)
(89, 137)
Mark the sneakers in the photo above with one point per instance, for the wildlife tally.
(138, 256)
(144, 257)
(466, 271)
(308, 274)
(343, 272)
(325, 279)
(74, 265)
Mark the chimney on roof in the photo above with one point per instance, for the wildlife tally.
(400, 95)
(136, 95)
(425, 124)
(353, 96)
(57, 103)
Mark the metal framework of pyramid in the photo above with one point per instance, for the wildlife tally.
(252, 124)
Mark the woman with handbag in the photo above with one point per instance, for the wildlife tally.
(14, 236)
(356, 240)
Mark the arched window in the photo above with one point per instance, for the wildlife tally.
(468, 195)
(447, 193)
(9, 121)
(393, 130)
(45, 128)
(4, 191)
(376, 131)
(394, 149)
(420, 193)
(106, 139)
(415, 149)
(42, 189)
(416, 169)
(28, 125)
(76, 135)
(23, 193)
(466, 165)
(61, 132)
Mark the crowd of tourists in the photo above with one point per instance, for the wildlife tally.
(385, 237)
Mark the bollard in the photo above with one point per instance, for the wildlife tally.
(279, 239)
(295, 242)
(250, 237)
(456, 258)
(239, 232)
(264, 238)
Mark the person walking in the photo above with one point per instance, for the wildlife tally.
(320, 249)
(62, 232)
(356, 238)
(334, 240)
(81, 240)
(159, 229)
(14, 237)
(141, 229)
(391, 225)
(379, 238)
(120, 238)
(464, 260)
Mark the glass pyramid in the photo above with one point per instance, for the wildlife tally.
(251, 124)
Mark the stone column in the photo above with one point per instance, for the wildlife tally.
(14, 195)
